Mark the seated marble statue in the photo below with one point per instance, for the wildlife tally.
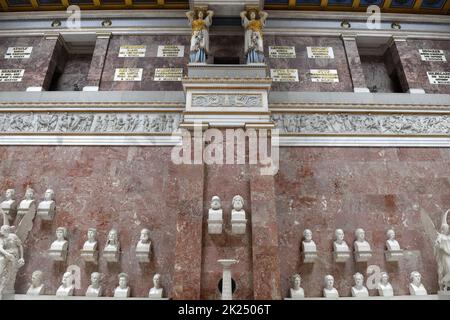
(416, 287)
(384, 287)
(95, 288)
(37, 287)
(123, 290)
(215, 216)
(296, 291)
(46, 208)
(27, 203)
(112, 247)
(238, 220)
(329, 291)
(67, 287)
(362, 248)
(359, 290)
(9, 207)
(58, 248)
(157, 291)
(391, 243)
(341, 249)
(143, 246)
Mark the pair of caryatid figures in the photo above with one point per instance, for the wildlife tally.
(45, 210)
(383, 286)
(342, 253)
(111, 253)
(253, 20)
(215, 216)
(95, 289)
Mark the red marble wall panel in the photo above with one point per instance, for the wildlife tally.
(374, 188)
(148, 63)
(127, 188)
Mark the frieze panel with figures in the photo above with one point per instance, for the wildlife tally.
(362, 124)
(102, 122)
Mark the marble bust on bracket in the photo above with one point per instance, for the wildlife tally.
(9, 207)
(416, 288)
(37, 286)
(46, 208)
(67, 287)
(393, 252)
(111, 252)
(28, 204)
(215, 216)
(95, 288)
(297, 292)
(59, 247)
(384, 287)
(143, 247)
(329, 291)
(341, 251)
(123, 290)
(359, 290)
(89, 252)
(238, 220)
(157, 291)
(309, 249)
(363, 252)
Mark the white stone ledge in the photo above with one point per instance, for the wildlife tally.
(91, 140)
(52, 297)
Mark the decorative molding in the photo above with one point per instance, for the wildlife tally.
(226, 100)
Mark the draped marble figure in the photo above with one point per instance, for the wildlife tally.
(253, 21)
(442, 254)
(200, 20)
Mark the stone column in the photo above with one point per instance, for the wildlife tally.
(266, 264)
(51, 48)
(186, 198)
(227, 292)
(404, 61)
(354, 63)
(98, 62)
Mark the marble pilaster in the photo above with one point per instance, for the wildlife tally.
(354, 63)
(98, 62)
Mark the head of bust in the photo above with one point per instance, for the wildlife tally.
(157, 281)
(358, 278)
(36, 279)
(238, 203)
(145, 236)
(10, 194)
(96, 277)
(360, 235)
(415, 278)
(29, 194)
(123, 280)
(67, 280)
(215, 203)
(328, 282)
(296, 281)
(390, 234)
(61, 234)
(49, 194)
(339, 235)
(92, 234)
(384, 278)
(307, 235)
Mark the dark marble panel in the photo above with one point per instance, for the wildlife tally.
(73, 77)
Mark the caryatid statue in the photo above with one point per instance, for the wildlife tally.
(442, 254)
(11, 259)
(200, 19)
(253, 20)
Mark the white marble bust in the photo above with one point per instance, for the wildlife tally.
(143, 247)
(329, 291)
(89, 252)
(238, 220)
(416, 287)
(9, 207)
(341, 249)
(362, 248)
(58, 248)
(95, 288)
(46, 208)
(384, 287)
(67, 287)
(309, 248)
(359, 290)
(123, 290)
(391, 243)
(27, 203)
(37, 286)
(157, 291)
(215, 216)
(112, 248)
(297, 292)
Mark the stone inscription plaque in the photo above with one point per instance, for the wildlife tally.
(320, 52)
(128, 74)
(132, 51)
(433, 55)
(18, 52)
(323, 75)
(437, 77)
(170, 51)
(281, 52)
(11, 75)
(284, 75)
(168, 74)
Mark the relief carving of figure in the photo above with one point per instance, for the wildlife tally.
(200, 20)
